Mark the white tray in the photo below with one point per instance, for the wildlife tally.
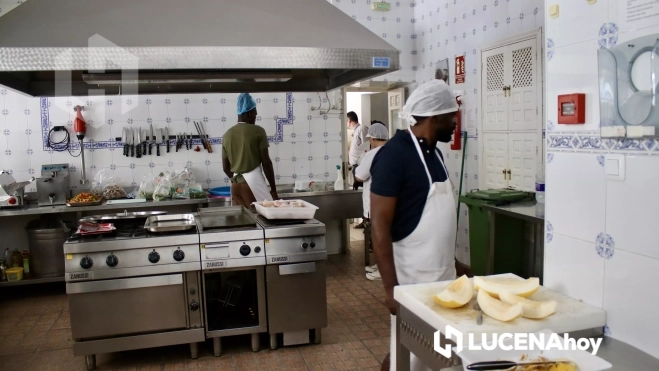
(306, 212)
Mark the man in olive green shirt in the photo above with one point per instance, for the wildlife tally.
(245, 157)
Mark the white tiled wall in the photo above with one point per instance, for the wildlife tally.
(446, 29)
(304, 144)
(600, 244)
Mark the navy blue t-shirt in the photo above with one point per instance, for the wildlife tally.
(397, 171)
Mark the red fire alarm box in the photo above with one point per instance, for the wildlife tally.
(572, 109)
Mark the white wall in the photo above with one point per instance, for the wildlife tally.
(601, 243)
(303, 143)
(446, 29)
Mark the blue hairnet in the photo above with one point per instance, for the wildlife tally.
(245, 103)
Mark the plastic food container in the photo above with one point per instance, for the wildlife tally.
(306, 212)
(14, 274)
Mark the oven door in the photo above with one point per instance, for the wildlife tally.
(297, 297)
(235, 301)
(102, 309)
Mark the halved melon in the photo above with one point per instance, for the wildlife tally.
(494, 286)
(530, 308)
(457, 294)
(498, 309)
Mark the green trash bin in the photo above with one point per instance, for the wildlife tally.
(509, 236)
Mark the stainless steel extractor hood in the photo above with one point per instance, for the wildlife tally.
(92, 47)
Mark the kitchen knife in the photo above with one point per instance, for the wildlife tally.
(167, 138)
(144, 140)
(196, 125)
(132, 142)
(161, 139)
(504, 365)
(185, 140)
(139, 141)
(176, 142)
(124, 139)
(190, 141)
(152, 136)
(205, 137)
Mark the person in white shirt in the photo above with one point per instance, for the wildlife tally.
(357, 141)
(377, 136)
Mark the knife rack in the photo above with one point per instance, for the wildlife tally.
(171, 137)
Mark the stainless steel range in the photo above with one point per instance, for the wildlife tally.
(295, 278)
(233, 260)
(133, 289)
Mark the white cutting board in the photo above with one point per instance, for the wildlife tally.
(572, 315)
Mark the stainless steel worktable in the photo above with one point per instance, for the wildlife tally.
(34, 209)
(622, 356)
(529, 211)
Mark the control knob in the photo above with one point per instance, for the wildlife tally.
(86, 262)
(313, 244)
(245, 250)
(194, 306)
(257, 249)
(154, 257)
(179, 255)
(111, 260)
(305, 245)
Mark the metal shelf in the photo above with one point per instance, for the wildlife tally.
(32, 281)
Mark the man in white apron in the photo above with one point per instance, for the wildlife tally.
(245, 157)
(412, 203)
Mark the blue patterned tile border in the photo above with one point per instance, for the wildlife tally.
(93, 145)
(590, 142)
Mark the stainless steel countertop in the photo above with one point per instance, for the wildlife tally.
(289, 192)
(622, 356)
(34, 209)
(528, 210)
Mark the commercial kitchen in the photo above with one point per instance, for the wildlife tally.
(121, 249)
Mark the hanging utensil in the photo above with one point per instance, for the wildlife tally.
(196, 125)
(152, 139)
(167, 138)
(124, 140)
(159, 140)
(205, 137)
(144, 140)
(132, 142)
(139, 141)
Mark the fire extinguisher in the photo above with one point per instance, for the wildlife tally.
(455, 144)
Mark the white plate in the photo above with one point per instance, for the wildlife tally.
(584, 360)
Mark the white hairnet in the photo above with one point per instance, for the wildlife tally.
(378, 131)
(430, 99)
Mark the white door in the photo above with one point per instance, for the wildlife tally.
(495, 102)
(495, 155)
(524, 84)
(523, 152)
(396, 102)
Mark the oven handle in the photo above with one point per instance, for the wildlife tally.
(297, 268)
(124, 284)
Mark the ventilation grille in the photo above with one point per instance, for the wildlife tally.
(522, 68)
(494, 72)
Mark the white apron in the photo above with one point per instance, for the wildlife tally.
(428, 253)
(256, 182)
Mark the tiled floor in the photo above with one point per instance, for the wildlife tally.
(35, 332)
